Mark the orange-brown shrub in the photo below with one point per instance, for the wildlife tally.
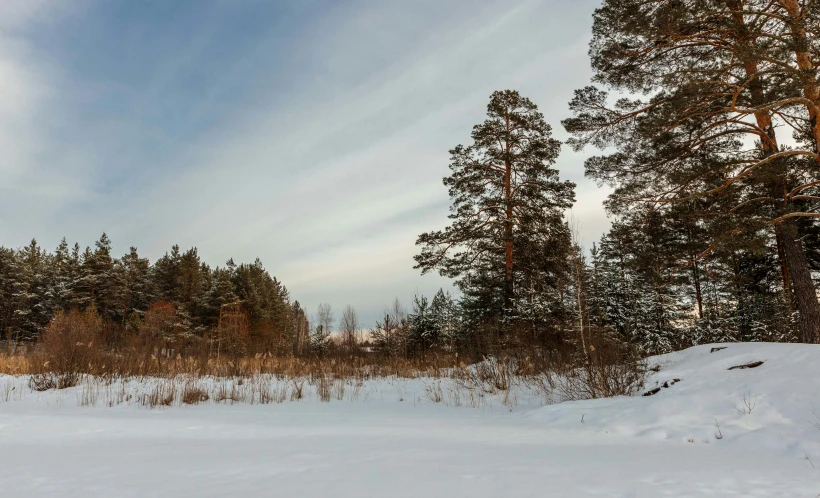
(233, 331)
(67, 348)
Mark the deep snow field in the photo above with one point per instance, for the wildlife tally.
(696, 437)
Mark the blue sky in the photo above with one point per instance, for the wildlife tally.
(311, 134)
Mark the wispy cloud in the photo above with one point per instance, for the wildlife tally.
(317, 145)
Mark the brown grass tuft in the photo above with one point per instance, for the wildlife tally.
(192, 394)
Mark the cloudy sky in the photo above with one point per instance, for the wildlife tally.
(312, 134)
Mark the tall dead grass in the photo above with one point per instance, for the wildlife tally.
(73, 350)
(82, 358)
(68, 348)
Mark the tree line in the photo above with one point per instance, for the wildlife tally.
(191, 299)
(705, 114)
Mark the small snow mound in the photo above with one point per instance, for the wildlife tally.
(758, 396)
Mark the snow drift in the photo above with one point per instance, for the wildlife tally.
(708, 429)
(699, 395)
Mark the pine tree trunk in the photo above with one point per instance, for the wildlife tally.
(578, 296)
(784, 270)
(698, 291)
(508, 227)
(805, 295)
(797, 273)
(795, 268)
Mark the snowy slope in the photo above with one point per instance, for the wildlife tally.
(396, 442)
(783, 394)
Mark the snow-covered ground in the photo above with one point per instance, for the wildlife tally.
(392, 439)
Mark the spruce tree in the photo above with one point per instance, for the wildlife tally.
(64, 270)
(320, 339)
(9, 278)
(166, 276)
(424, 332)
(191, 273)
(135, 295)
(98, 280)
(30, 296)
(445, 314)
(219, 293)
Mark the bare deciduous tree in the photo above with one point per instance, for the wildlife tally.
(324, 317)
(349, 327)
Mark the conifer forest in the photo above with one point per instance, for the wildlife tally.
(608, 269)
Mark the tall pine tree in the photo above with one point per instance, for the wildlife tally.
(507, 211)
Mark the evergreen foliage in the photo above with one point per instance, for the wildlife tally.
(507, 237)
(702, 89)
(36, 284)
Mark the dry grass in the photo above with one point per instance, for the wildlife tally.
(267, 379)
(192, 390)
(126, 362)
(610, 369)
(434, 392)
(193, 394)
(150, 371)
(11, 391)
(489, 376)
(163, 393)
(46, 381)
(14, 364)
